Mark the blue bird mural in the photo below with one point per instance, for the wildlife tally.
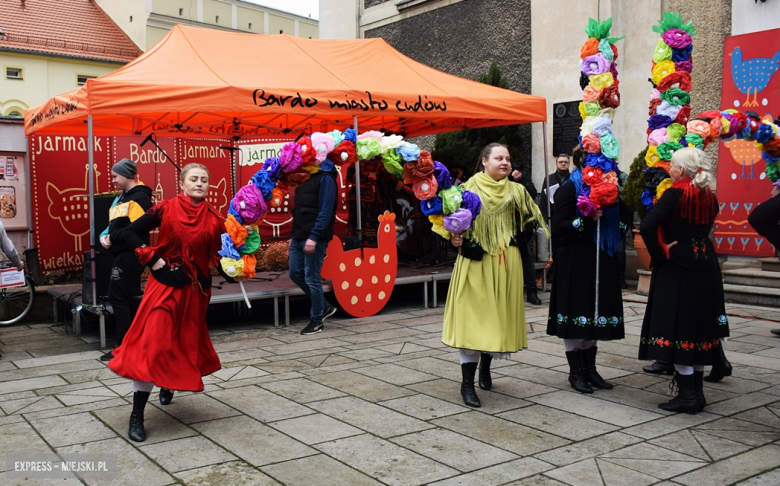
(752, 74)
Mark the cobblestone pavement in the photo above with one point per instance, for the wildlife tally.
(376, 401)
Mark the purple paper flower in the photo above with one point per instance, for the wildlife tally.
(273, 165)
(686, 66)
(471, 202)
(658, 121)
(680, 55)
(586, 206)
(458, 222)
(677, 38)
(291, 158)
(595, 64)
(443, 177)
(249, 203)
(613, 70)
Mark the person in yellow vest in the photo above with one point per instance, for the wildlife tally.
(124, 289)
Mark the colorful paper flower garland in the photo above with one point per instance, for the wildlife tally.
(449, 209)
(600, 97)
(670, 99)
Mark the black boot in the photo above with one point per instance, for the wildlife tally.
(166, 396)
(720, 368)
(659, 368)
(577, 371)
(698, 388)
(685, 401)
(137, 432)
(467, 391)
(531, 297)
(485, 380)
(593, 376)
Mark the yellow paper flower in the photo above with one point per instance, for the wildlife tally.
(652, 156)
(438, 226)
(662, 70)
(662, 187)
(601, 81)
(233, 268)
(726, 124)
(583, 114)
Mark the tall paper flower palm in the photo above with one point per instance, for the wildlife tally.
(600, 97)
(670, 100)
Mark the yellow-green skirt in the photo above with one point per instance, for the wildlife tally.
(484, 309)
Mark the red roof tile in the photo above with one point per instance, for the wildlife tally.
(77, 28)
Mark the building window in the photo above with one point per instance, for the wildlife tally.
(14, 113)
(250, 25)
(131, 18)
(181, 11)
(281, 31)
(81, 79)
(14, 73)
(217, 19)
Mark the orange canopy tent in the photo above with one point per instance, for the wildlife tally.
(200, 82)
(197, 82)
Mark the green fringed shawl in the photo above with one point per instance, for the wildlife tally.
(496, 224)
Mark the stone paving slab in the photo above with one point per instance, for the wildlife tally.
(377, 401)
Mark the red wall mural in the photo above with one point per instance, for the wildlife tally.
(750, 82)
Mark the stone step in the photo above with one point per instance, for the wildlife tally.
(744, 294)
(771, 264)
(752, 277)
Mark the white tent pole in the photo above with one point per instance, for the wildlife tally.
(357, 192)
(598, 254)
(546, 181)
(91, 171)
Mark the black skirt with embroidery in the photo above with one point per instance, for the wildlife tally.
(573, 297)
(685, 317)
(572, 312)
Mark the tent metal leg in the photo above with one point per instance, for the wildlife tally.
(435, 297)
(91, 171)
(286, 310)
(276, 311)
(546, 178)
(425, 294)
(102, 320)
(77, 322)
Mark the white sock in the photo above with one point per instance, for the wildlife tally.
(143, 386)
(698, 367)
(683, 370)
(571, 344)
(469, 356)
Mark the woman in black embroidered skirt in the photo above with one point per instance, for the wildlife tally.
(685, 317)
(573, 298)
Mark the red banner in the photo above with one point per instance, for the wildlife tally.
(60, 189)
(750, 62)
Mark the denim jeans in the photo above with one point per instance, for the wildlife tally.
(305, 271)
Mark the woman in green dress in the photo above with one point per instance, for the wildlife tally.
(484, 315)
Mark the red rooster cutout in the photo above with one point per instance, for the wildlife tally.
(363, 279)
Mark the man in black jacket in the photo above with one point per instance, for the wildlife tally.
(124, 288)
(312, 229)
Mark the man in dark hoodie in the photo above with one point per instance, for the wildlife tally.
(124, 289)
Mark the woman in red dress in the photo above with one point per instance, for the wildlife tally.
(168, 344)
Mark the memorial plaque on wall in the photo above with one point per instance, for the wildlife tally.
(566, 126)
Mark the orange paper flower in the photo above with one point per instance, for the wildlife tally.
(237, 232)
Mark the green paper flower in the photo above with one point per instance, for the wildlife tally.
(675, 131)
(592, 108)
(252, 243)
(606, 50)
(392, 162)
(676, 96)
(662, 52)
(609, 146)
(772, 172)
(694, 139)
(667, 149)
(451, 199)
(368, 148)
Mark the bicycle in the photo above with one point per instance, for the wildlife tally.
(17, 300)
